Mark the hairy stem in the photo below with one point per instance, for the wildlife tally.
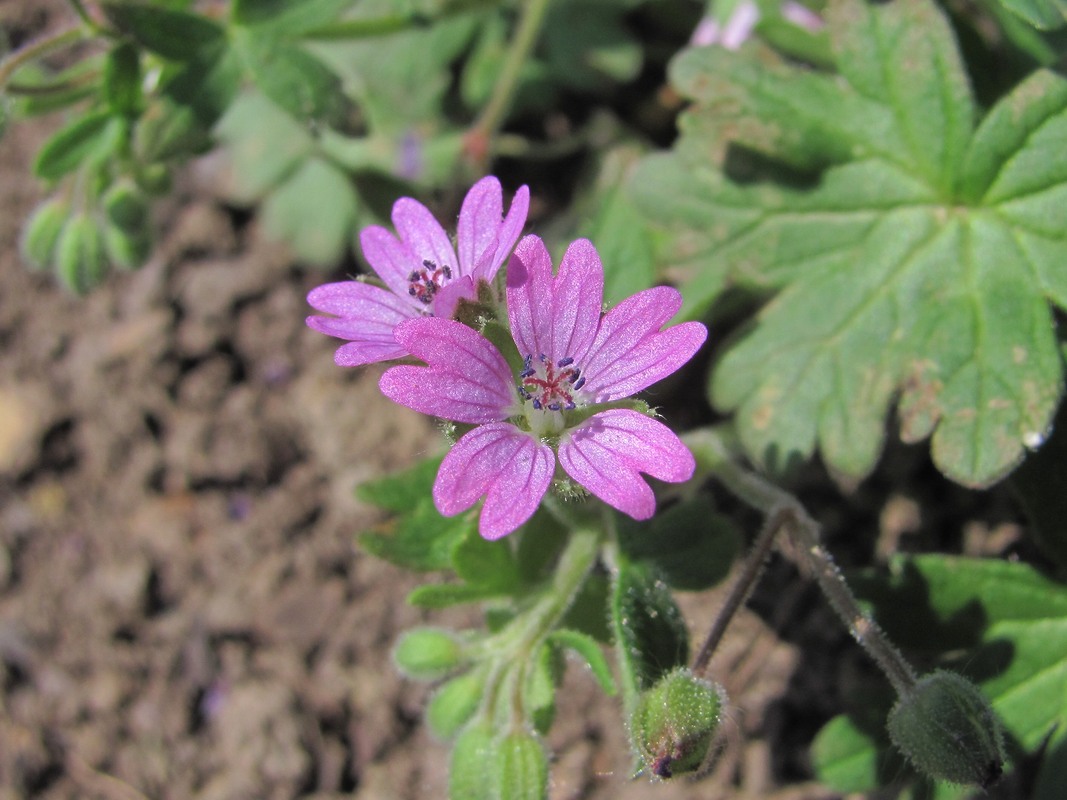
(37, 49)
(492, 116)
(785, 512)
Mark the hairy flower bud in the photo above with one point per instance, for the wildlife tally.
(40, 235)
(80, 258)
(948, 730)
(522, 767)
(674, 723)
(474, 764)
(455, 702)
(426, 654)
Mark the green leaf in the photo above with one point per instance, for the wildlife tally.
(485, 563)
(313, 211)
(651, 638)
(1044, 14)
(845, 758)
(912, 263)
(445, 595)
(288, 18)
(1019, 660)
(206, 84)
(692, 546)
(587, 46)
(122, 79)
(589, 650)
(173, 34)
(293, 78)
(417, 537)
(84, 139)
(619, 230)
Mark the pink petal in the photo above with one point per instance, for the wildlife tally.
(484, 241)
(465, 380)
(606, 453)
(554, 316)
(630, 352)
(391, 259)
(511, 469)
(366, 315)
(449, 295)
(423, 235)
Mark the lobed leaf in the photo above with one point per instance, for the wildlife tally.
(916, 270)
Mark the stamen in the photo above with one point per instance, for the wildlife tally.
(550, 386)
(424, 284)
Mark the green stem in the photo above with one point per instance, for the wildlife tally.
(81, 11)
(515, 647)
(492, 116)
(37, 49)
(714, 455)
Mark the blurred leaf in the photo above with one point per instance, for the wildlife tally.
(1020, 661)
(444, 595)
(293, 78)
(916, 269)
(589, 650)
(173, 34)
(419, 538)
(484, 563)
(263, 143)
(619, 229)
(651, 638)
(539, 694)
(588, 47)
(313, 212)
(289, 18)
(86, 138)
(690, 545)
(122, 79)
(1044, 14)
(206, 84)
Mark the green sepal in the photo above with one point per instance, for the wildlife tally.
(454, 703)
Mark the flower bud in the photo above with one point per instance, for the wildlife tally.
(80, 257)
(674, 723)
(40, 235)
(473, 775)
(167, 130)
(126, 206)
(426, 654)
(522, 767)
(127, 249)
(455, 703)
(948, 730)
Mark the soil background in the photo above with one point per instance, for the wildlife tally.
(184, 612)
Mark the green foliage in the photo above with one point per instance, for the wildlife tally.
(689, 545)
(912, 260)
(1013, 623)
(1039, 13)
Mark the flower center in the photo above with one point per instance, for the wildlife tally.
(549, 386)
(424, 283)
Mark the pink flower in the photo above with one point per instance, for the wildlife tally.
(421, 271)
(549, 403)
